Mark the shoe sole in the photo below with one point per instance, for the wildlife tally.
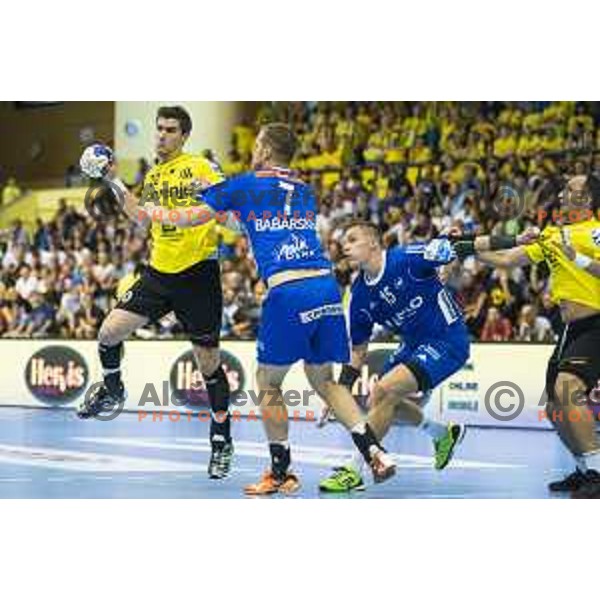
(358, 488)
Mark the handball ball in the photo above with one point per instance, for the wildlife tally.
(96, 160)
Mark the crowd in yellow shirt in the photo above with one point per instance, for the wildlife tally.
(337, 135)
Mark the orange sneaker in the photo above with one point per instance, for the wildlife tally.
(290, 485)
(382, 466)
(268, 484)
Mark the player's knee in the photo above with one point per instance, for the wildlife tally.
(379, 394)
(267, 379)
(262, 378)
(208, 359)
(323, 388)
(110, 334)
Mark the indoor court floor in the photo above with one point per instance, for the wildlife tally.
(49, 453)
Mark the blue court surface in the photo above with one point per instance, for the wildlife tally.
(52, 454)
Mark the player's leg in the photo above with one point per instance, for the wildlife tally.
(142, 302)
(578, 377)
(269, 379)
(411, 374)
(321, 379)
(117, 326)
(198, 303)
(280, 344)
(328, 344)
(572, 374)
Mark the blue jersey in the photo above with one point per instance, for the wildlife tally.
(407, 297)
(278, 213)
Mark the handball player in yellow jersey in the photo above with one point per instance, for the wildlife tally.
(572, 251)
(183, 276)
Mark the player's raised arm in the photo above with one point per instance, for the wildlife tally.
(98, 163)
(427, 257)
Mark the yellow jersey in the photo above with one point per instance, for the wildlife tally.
(568, 281)
(169, 186)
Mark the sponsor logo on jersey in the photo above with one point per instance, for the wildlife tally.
(328, 310)
(277, 224)
(294, 248)
(398, 319)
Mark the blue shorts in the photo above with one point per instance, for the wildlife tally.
(432, 360)
(303, 320)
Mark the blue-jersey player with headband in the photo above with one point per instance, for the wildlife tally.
(302, 316)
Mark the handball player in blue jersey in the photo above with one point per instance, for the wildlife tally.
(400, 290)
(302, 317)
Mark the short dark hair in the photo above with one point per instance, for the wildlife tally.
(179, 114)
(373, 229)
(282, 141)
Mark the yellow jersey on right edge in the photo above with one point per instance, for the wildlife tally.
(567, 280)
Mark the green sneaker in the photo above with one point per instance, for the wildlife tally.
(445, 446)
(344, 479)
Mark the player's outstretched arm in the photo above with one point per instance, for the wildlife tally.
(504, 251)
(183, 218)
(98, 163)
(131, 205)
(505, 259)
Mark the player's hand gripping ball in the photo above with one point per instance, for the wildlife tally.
(96, 161)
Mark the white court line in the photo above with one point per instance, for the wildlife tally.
(72, 460)
(314, 455)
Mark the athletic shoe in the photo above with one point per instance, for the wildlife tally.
(590, 489)
(446, 445)
(382, 466)
(344, 479)
(220, 460)
(269, 484)
(571, 483)
(100, 400)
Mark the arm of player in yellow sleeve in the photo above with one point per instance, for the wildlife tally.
(583, 261)
(515, 257)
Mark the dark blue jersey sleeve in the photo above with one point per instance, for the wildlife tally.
(224, 196)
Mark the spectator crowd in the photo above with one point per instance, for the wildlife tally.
(412, 168)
